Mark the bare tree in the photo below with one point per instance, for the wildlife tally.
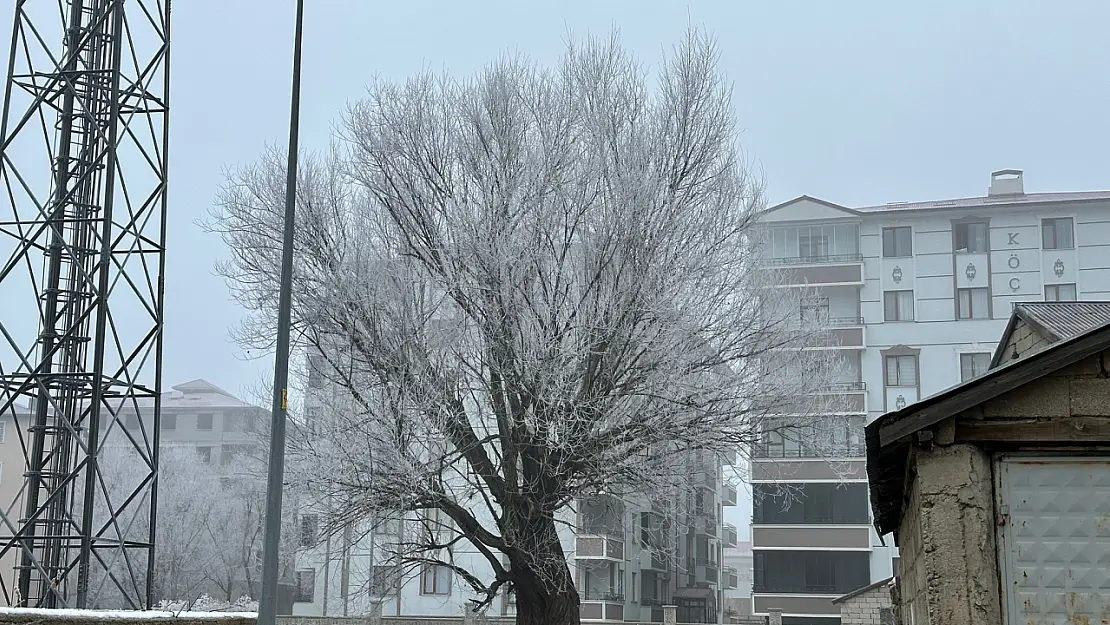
(188, 495)
(525, 289)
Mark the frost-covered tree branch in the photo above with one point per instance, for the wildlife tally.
(524, 288)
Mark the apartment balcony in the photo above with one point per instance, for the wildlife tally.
(711, 526)
(706, 479)
(598, 548)
(601, 605)
(826, 269)
(730, 578)
(656, 560)
(707, 571)
(839, 332)
(800, 451)
(847, 397)
(731, 536)
(728, 495)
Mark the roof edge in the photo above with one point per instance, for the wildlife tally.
(860, 591)
(850, 211)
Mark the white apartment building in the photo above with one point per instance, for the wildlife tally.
(917, 294)
(630, 556)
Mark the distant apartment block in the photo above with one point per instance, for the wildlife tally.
(629, 555)
(917, 294)
(196, 414)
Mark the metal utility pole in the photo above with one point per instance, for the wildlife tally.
(267, 607)
(83, 161)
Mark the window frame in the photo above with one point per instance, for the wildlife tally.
(434, 590)
(1056, 288)
(309, 534)
(211, 421)
(299, 587)
(1051, 222)
(971, 303)
(971, 356)
(206, 455)
(900, 317)
(168, 422)
(887, 369)
(894, 252)
(967, 225)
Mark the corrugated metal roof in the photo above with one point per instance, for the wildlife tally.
(1065, 319)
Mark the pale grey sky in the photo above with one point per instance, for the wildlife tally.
(856, 102)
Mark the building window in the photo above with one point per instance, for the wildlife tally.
(898, 306)
(316, 366)
(231, 453)
(815, 309)
(813, 247)
(205, 454)
(897, 242)
(132, 422)
(815, 243)
(1058, 234)
(385, 580)
(826, 572)
(1059, 293)
(309, 530)
(971, 238)
(435, 579)
(810, 503)
(974, 365)
(972, 303)
(305, 589)
(901, 370)
(204, 421)
(169, 422)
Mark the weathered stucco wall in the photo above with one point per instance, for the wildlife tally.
(866, 608)
(946, 539)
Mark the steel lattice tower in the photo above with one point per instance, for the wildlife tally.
(83, 141)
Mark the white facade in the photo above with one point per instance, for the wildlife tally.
(918, 299)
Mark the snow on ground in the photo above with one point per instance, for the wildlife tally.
(120, 615)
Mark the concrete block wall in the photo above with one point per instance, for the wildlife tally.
(947, 541)
(865, 608)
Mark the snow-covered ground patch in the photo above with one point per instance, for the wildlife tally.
(63, 614)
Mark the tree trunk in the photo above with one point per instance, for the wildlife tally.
(544, 587)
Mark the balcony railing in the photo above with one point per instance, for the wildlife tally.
(762, 450)
(845, 322)
(731, 535)
(820, 259)
(845, 387)
(601, 595)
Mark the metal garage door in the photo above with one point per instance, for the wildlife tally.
(1055, 542)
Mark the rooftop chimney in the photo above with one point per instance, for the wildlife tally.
(1006, 182)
